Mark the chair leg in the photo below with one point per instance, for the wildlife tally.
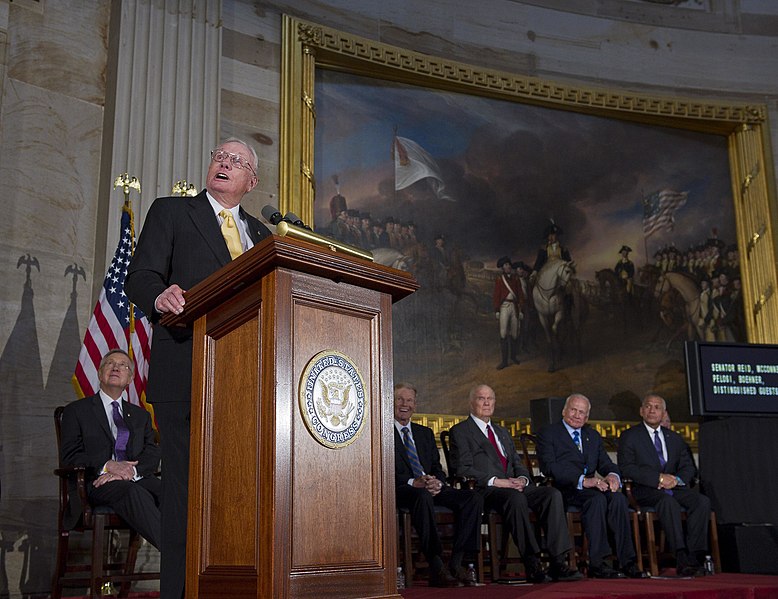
(98, 553)
(714, 542)
(61, 564)
(407, 550)
(651, 543)
(493, 555)
(133, 546)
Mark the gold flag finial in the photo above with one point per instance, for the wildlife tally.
(126, 183)
(182, 188)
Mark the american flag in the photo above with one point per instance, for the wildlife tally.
(659, 210)
(115, 326)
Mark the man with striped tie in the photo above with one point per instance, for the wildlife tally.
(421, 485)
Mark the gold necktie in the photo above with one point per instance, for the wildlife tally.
(231, 234)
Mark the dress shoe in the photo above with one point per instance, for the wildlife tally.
(690, 571)
(604, 571)
(631, 571)
(535, 573)
(686, 565)
(561, 573)
(442, 579)
(538, 577)
(460, 574)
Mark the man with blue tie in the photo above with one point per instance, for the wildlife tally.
(660, 463)
(421, 485)
(572, 453)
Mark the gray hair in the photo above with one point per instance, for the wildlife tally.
(247, 145)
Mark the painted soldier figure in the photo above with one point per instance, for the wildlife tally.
(552, 248)
(508, 301)
(625, 269)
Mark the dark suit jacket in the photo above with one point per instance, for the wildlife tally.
(87, 441)
(424, 439)
(638, 459)
(180, 243)
(560, 459)
(472, 455)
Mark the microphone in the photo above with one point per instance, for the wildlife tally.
(293, 219)
(272, 215)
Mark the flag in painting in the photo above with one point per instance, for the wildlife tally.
(413, 163)
(659, 210)
(116, 324)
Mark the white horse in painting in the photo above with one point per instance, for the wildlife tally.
(689, 290)
(549, 295)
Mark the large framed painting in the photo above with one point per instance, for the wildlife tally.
(565, 239)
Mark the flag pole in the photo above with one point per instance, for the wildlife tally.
(127, 183)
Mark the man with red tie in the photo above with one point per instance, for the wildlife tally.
(485, 451)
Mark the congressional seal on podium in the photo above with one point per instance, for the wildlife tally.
(332, 399)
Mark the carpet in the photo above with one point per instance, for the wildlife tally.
(720, 586)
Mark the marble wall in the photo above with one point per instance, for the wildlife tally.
(54, 61)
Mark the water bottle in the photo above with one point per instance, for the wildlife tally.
(400, 578)
(471, 577)
(709, 569)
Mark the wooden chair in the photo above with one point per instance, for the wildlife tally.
(407, 538)
(578, 539)
(497, 559)
(93, 522)
(654, 545)
(409, 551)
(611, 446)
(579, 554)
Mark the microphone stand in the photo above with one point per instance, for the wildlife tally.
(285, 228)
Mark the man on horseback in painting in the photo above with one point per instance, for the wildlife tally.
(508, 301)
(556, 295)
(552, 248)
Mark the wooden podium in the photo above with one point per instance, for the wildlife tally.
(280, 505)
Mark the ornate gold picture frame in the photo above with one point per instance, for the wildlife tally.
(308, 47)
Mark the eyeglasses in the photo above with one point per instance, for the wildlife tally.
(120, 365)
(236, 160)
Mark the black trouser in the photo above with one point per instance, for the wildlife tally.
(173, 422)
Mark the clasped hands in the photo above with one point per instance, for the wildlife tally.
(511, 483)
(609, 483)
(429, 482)
(667, 481)
(116, 471)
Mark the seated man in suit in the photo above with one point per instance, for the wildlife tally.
(485, 451)
(114, 440)
(421, 484)
(660, 463)
(572, 453)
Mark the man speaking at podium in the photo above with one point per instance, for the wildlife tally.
(183, 241)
